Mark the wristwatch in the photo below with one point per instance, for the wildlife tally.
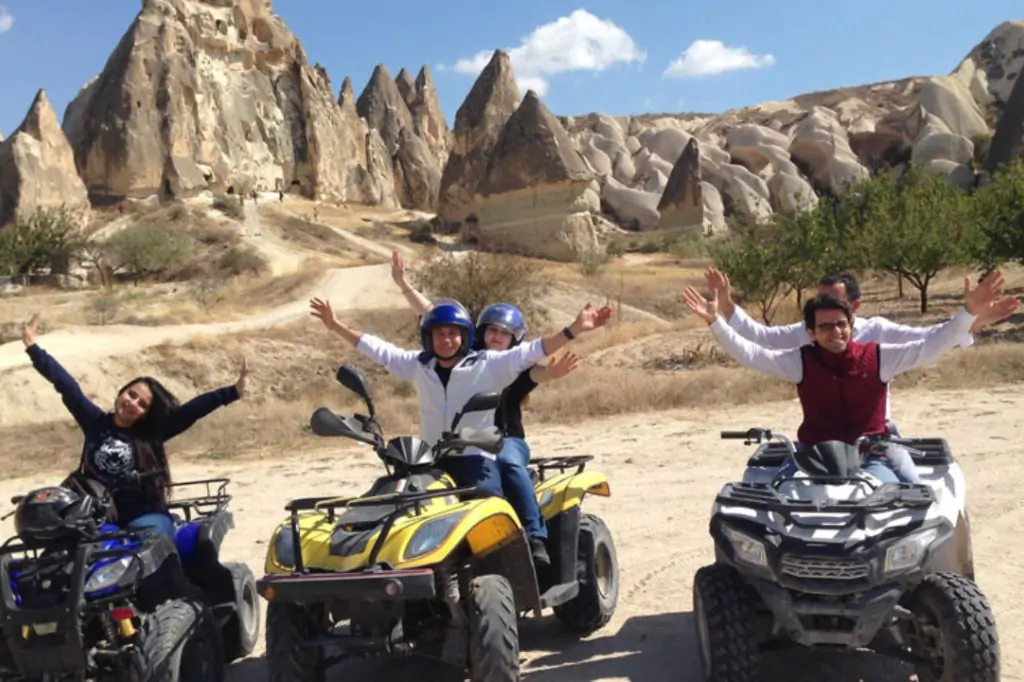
(568, 333)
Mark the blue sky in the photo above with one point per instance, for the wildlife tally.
(616, 57)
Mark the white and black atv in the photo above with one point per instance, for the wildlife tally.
(829, 557)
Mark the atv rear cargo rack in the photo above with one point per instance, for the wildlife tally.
(215, 500)
(561, 463)
(887, 497)
(403, 502)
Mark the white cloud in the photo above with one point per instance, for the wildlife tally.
(712, 58)
(578, 42)
(6, 20)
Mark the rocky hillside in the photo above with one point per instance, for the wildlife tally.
(218, 95)
(692, 171)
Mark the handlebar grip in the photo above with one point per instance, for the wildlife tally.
(735, 435)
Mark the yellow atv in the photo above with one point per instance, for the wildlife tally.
(419, 566)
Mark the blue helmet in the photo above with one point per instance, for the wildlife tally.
(446, 312)
(503, 315)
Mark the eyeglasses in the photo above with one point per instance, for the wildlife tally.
(841, 325)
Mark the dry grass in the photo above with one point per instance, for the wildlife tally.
(629, 368)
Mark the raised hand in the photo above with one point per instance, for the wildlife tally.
(28, 331)
(590, 318)
(397, 268)
(323, 311)
(986, 293)
(706, 309)
(562, 365)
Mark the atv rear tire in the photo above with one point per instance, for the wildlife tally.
(967, 641)
(242, 631)
(723, 607)
(289, 659)
(181, 643)
(597, 570)
(493, 631)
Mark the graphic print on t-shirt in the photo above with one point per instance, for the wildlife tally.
(114, 457)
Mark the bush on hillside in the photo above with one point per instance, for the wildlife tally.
(478, 279)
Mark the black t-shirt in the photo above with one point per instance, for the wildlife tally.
(509, 415)
(110, 458)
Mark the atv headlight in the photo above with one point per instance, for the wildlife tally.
(107, 576)
(747, 548)
(909, 552)
(430, 535)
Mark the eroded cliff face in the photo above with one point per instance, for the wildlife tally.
(213, 94)
(37, 167)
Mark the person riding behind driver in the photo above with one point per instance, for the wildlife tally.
(845, 287)
(841, 382)
(124, 449)
(447, 372)
(499, 327)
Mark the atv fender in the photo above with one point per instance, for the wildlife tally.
(483, 525)
(562, 493)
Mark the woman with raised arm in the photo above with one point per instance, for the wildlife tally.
(124, 448)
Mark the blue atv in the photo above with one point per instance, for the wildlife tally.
(82, 598)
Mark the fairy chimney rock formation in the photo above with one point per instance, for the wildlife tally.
(37, 166)
(417, 174)
(428, 117)
(383, 107)
(682, 202)
(205, 95)
(406, 87)
(533, 197)
(347, 95)
(478, 123)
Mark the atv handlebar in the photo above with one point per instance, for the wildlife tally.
(866, 444)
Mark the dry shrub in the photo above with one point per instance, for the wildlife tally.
(478, 279)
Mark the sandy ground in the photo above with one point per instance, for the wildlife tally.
(664, 470)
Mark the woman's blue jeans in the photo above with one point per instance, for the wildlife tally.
(515, 481)
(159, 522)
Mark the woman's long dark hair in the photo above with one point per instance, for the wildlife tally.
(146, 433)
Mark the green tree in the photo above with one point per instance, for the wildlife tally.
(141, 250)
(999, 209)
(45, 239)
(755, 266)
(920, 226)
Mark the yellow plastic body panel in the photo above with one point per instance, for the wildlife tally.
(564, 491)
(487, 524)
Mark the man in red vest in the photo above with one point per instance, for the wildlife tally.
(842, 383)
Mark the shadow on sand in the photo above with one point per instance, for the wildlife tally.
(664, 647)
(646, 648)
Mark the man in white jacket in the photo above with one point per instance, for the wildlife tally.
(876, 329)
(447, 372)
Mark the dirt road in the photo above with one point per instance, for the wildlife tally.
(664, 471)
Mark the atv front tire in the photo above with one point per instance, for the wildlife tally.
(597, 570)
(493, 631)
(723, 607)
(181, 643)
(242, 631)
(289, 659)
(966, 640)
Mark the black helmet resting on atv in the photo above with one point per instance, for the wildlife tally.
(53, 514)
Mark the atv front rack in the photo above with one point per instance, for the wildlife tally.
(544, 464)
(403, 502)
(215, 500)
(887, 497)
